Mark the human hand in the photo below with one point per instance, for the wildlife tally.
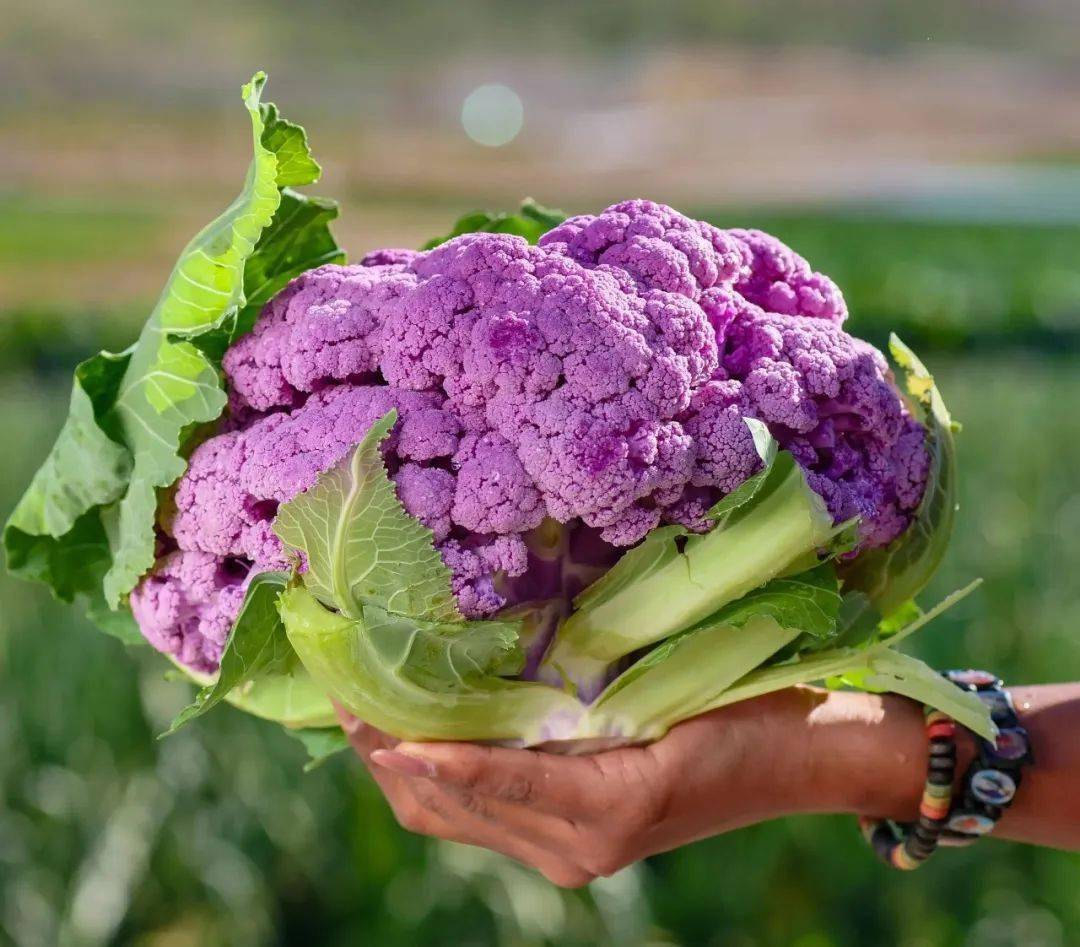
(578, 817)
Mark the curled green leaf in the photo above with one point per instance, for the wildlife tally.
(86, 524)
(257, 647)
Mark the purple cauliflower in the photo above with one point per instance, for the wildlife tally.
(597, 379)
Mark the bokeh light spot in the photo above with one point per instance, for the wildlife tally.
(492, 115)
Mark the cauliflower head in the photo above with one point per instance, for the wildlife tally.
(598, 379)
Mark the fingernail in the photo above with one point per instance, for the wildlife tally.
(353, 726)
(349, 723)
(403, 763)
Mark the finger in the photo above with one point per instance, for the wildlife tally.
(436, 813)
(424, 818)
(449, 820)
(424, 809)
(404, 764)
(596, 814)
(362, 737)
(365, 740)
(572, 787)
(551, 833)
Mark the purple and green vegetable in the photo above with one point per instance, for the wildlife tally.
(548, 481)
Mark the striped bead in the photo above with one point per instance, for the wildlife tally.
(907, 847)
(934, 809)
(901, 859)
(941, 730)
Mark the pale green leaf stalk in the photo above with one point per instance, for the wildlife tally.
(879, 667)
(807, 604)
(668, 590)
(722, 662)
(680, 681)
(679, 676)
(420, 682)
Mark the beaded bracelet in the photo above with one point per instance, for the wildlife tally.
(994, 776)
(988, 787)
(907, 846)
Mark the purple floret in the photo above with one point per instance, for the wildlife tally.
(187, 605)
(599, 379)
(779, 280)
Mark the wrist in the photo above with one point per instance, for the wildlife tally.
(794, 751)
(809, 750)
(868, 754)
(839, 751)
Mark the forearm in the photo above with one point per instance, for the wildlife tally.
(1047, 807)
(806, 750)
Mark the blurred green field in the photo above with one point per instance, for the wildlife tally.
(940, 283)
(216, 836)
